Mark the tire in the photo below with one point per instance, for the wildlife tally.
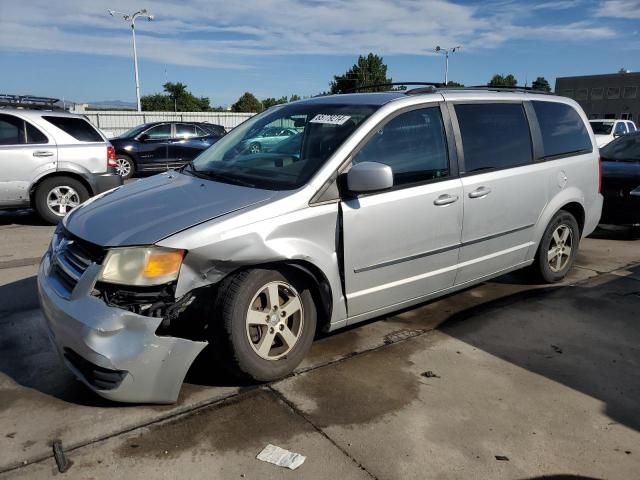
(54, 190)
(255, 148)
(126, 167)
(561, 233)
(236, 343)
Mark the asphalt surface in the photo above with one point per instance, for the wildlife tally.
(505, 380)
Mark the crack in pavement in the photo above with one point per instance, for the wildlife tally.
(299, 413)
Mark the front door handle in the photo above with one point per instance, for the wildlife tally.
(480, 192)
(42, 153)
(445, 199)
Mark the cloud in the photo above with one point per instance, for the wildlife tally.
(223, 34)
(629, 9)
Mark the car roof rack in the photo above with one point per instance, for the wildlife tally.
(29, 101)
(431, 87)
(506, 89)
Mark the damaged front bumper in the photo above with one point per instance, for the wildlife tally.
(115, 352)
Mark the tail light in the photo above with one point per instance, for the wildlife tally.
(599, 174)
(111, 157)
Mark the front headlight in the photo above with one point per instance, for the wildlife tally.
(141, 266)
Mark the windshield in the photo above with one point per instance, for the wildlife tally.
(132, 132)
(624, 149)
(601, 128)
(282, 148)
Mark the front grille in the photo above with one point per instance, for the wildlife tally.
(71, 256)
(96, 376)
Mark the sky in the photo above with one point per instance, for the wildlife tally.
(73, 49)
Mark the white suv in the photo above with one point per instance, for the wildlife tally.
(608, 130)
(52, 161)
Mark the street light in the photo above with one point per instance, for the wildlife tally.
(132, 20)
(446, 52)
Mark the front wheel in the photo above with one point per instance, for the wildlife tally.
(268, 323)
(558, 247)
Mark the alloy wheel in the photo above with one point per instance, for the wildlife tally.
(560, 247)
(62, 199)
(123, 167)
(274, 320)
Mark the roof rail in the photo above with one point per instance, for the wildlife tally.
(508, 89)
(395, 84)
(29, 101)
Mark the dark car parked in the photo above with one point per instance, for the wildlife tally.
(159, 146)
(621, 180)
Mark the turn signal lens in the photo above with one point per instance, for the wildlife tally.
(161, 264)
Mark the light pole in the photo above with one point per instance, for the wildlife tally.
(446, 52)
(132, 20)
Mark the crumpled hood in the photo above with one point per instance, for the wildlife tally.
(146, 211)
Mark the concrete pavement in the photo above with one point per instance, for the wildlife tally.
(546, 376)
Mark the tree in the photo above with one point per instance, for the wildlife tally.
(451, 83)
(294, 98)
(369, 70)
(503, 81)
(270, 102)
(247, 103)
(541, 83)
(176, 98)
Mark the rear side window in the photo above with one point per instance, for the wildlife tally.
(15, 131)
(563, 131)
(33, 135)
(494, 136)
(413, 144)
(10, 130)
(632, 127)
(78, 128)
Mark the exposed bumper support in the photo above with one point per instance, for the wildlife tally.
(116, 340)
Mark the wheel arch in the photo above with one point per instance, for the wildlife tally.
(317, 281)
(570, 200)
(75, 176)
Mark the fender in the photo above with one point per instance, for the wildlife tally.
(308, 236)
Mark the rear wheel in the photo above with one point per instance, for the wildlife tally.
(125, 167)
(57, 196)
(558, 247)
(268, 323)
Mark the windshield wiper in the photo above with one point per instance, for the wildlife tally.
(223, 177)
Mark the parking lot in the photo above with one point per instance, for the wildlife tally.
(505, 380)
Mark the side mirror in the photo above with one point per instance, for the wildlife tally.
(143, 137)
(369, 177)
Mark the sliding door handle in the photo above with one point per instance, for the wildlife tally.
(480, 192)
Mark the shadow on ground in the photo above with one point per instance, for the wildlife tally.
(20, 217)
(586, 337)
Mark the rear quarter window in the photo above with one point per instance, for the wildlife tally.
(78, 128)
(563, 130)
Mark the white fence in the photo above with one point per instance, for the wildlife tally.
(115, 122)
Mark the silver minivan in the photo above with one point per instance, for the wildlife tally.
(379, 201)
(52, 161)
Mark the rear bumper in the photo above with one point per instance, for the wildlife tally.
(116, 353)
(101, 182)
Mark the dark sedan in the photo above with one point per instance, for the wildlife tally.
(158, 146)
(621, 180)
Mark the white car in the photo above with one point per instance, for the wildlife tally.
(607, 130)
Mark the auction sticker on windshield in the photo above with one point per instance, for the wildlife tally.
(330, 119)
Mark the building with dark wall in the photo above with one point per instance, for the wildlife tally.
(614, 95)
